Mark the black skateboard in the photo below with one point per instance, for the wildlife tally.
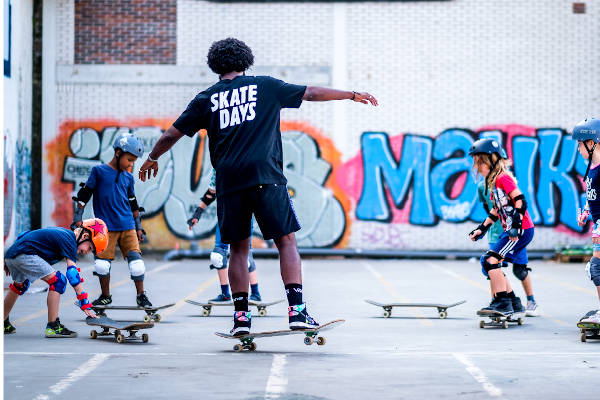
(207, 307)
(151, 312)
(107, 324)
(311, 335)
(500, 319)
(442, 308)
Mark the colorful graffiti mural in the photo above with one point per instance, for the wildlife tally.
(423, 180)
(392, 181)
(17, 186)
(185, 173)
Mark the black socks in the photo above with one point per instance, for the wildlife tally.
(240, 301)
(294, 294)
(501, 295)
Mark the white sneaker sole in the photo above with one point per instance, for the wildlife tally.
(532, 313)
(301, 325)
(240, 331)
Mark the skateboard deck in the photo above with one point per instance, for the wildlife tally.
(207, 307)
(442, 308)
(151, 312)
(311, 335)
(107, 324)
(500, 319)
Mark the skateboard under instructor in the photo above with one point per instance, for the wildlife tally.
(241, 115)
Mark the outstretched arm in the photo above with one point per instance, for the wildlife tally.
(150, 167)
(315, 93)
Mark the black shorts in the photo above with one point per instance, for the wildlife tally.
(271, 206)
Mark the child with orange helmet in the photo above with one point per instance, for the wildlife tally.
(112, 186)
(31, 257)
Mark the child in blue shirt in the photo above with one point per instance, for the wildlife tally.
(31, 257)
(587, 134)
(112, 186)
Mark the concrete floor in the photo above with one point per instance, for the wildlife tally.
(413, 354)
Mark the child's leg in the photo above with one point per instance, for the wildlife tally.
(9, 302)
(58, 284)
(129, 245)
(223, 276)
(102, 263)
(527, 286)
(254, 278)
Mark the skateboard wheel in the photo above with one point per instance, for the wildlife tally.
(505, 325)
(157, 318)
(443, 314)
(93, 334)
(120, 338)
(252, 346)
(238, 348)
(146, 318)
(481, 324)
(321, 341)
(117, 333)
(145, 337)
(583, 337)
(520, 321)
(205, 312)
(387, 314)
(262, 312)
(308, 341)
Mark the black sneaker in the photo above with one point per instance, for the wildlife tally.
(299, 318)
(8, 328)
(517, 305)
(497, 305)
(56, 329)
(142, 300)
(221, 299)
(242, 320)
(102, 300)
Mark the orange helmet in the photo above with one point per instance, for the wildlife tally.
(98, 233)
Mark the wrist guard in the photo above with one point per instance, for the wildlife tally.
(197, 214)
(483, 228)
(84, 303)
(208, 197)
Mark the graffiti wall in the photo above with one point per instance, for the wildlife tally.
(394, 185)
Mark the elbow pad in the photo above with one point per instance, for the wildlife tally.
(133, 204)
(523, 207)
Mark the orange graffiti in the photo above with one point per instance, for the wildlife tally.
(333, 156)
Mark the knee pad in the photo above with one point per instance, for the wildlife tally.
(101, 267)
(73, 275)
(219, 258)
(521, 271)
(482, 260)
(487, 266)
(251, 263)
(20, 288)
(58, 283)
(593, 268)
(137, 268)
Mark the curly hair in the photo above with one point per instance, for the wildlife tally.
(229, 55)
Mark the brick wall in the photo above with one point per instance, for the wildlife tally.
(125, 31)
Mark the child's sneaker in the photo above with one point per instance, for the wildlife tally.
(8, 328)
(102, 300)
(532, 309)
(517, 305)
(254, 298)
(242, 320)
(589, 313)
(593, 319)
(221, 299)
(299, 318)
(503, 306)
(142, 300)
(56, 329)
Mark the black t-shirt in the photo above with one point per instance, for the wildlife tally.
(241, 116)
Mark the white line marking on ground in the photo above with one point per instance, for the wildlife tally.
(84, 369)
(277, 383)
(478, 374)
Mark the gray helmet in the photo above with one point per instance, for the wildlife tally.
(129, 144)
(487, 146)
(588, 129)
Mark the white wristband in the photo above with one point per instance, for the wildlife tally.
(151, 159)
